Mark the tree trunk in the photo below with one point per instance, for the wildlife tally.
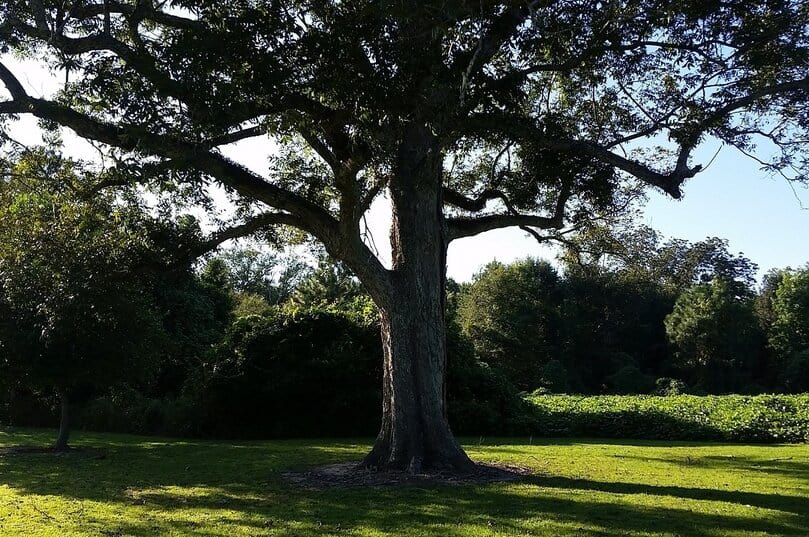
(64, 424)
(415, 433)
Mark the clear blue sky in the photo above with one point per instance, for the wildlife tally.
(732, 199)
(763, 216)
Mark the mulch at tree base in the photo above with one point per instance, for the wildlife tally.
(352, 474)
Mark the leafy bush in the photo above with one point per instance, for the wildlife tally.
(738, 418)
(795, 374)
(669, 386)
(126, 410)
(630, 379)
(316, 374)
(481, 399)
(311, 373)
(21, 406)
(554, 377)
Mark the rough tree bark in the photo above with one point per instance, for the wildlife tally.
(64, 424)
(415, 433)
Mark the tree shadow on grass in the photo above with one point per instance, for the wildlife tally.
(215, 489)
(798, 505)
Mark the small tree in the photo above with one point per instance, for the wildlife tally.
(80, 310)
(331, 284)
(789, 332)
(511, 314)
(195, 313)
(714, 336)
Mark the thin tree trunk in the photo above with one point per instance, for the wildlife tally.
(64, 424)
(415, 433)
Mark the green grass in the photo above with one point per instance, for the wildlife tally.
(148, 486)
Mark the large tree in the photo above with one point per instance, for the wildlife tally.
(473, 115)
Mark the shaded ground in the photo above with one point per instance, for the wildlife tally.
(29, 450)
(147, 486)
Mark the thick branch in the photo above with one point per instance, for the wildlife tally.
(235, 136)
(342, 241)
(668, 183)
(146, 66)
(140, 61)
(492, 38)
(13, 85)
(313, 218)
(143, 11)
(467, 227)
(520, 128)
(749, 99)
(249, 227)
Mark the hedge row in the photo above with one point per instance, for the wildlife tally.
(737, 418)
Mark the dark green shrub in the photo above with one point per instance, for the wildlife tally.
(308, 374)
(630, 379)
(315, 374)
(481, 399)
(795, 374)
(125, 409)
(22, 406)
(554, 377)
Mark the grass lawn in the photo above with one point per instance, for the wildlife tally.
(149, 486)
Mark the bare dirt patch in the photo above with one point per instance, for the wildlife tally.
(351, 474)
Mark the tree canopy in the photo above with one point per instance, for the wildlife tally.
(506, 304)
(789, 334)
(538, 105)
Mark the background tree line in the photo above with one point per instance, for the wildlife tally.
(592, 328)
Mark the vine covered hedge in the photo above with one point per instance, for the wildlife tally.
(737, 418)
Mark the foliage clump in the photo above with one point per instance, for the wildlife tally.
(737, 418)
